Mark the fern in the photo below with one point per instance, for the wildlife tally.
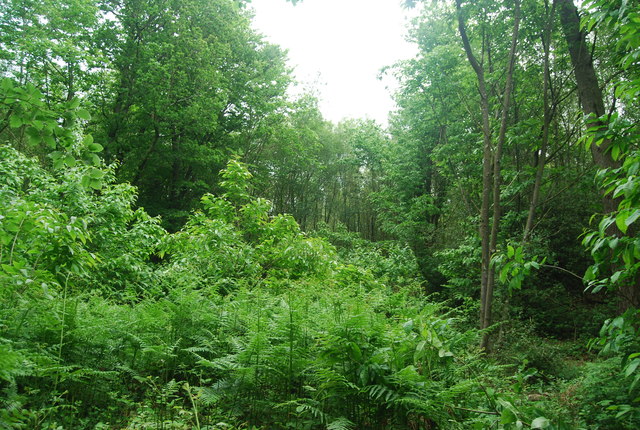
(381, 392)
(11, 362)
(341, 424)
(310, 407)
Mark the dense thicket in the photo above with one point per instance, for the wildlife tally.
(184, 245)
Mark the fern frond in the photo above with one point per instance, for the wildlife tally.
(378, 392)
(341, 424)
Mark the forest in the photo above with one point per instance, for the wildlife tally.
(184, 244)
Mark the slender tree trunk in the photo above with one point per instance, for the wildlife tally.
(546, 124)
(491, 178)
(497, 177)
(486, 165)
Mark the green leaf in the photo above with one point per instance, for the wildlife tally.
(508, 416)
(613, 243)
(87, 140)
(356, 353)
(540, 423)
(95, 147)
(33, 136)
(96, 184)
(444, 353)
(615, 152)
(621, 221)
(504, 272)
(519, 255)
(83, 114)
(15, 121)
(631, 367)
(624, 409)
(631, 218)
(58, 160)
(74, 103)
(91, 159)
(50, 142)
(618, 322)
(69, 160)
(633, 385)
(96, 173)
(6, 84)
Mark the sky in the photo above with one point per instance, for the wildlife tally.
(337, 48)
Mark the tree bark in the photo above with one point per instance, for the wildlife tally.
(497, 177)
(486, 167)
(546, 124)
(491, 177)
(589, 91)
(592, 103)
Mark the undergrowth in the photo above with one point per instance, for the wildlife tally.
(242, 321)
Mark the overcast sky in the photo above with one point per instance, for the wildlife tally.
(338, 47)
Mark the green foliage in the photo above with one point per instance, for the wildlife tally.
(240, 319)
(610, 404)
(235, 182)
(513, 268)
(615, 255)
(29, 120)
(54, 46)
(623, 18)
(460, 267)
(390, 262)
(236, 242)
(614, 245)
(539, 359)
(192, 83)
(242, 312)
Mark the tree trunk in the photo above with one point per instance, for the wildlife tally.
(497, 177)
(588, 88)
(491, 178)
(486, 167)
(546, 124)
(592, 103)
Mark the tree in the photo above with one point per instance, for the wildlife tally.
(517, 170)
(589, 91)
(607, 153)
(491, 162)
(194, 84)
(613, 142)
(53, 45)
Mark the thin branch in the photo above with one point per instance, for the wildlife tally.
(551, 266)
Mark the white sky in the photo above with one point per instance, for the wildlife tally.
(338, 47)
